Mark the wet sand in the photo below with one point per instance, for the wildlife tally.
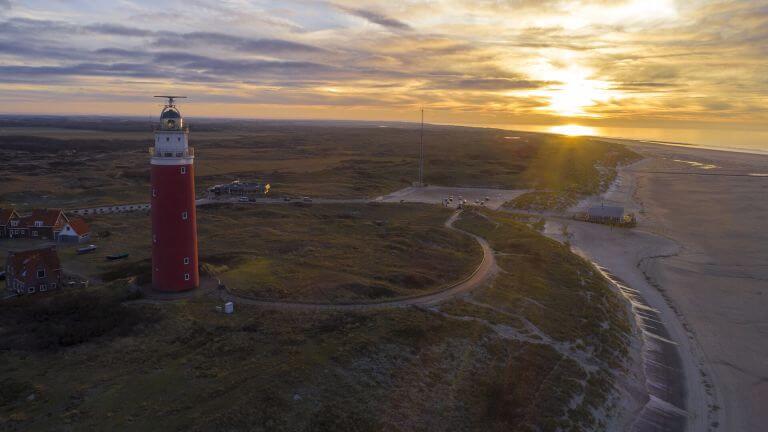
(699, 258)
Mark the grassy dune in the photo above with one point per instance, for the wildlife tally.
(549, 295)
(532, 351)
(86, 167)
(327, 253)
(464, 366)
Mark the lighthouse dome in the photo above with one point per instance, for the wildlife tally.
(170, 113)
(170, 118)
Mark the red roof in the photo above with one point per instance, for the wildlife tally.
(25, 264)
(80, 226)
(48, 216)
(6, 214)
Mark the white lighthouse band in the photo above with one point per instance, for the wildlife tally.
(184, 160)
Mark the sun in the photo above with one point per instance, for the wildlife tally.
(572, 130)
(573, 88)
(576, 93)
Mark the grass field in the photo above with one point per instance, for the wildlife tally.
(75, 167)
(473, 364)
(326, 253)
(532, 351)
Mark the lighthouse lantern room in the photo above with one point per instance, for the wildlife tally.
(174, 225)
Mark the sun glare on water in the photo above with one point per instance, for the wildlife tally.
(572, 130)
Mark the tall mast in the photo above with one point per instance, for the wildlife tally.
(421, 151)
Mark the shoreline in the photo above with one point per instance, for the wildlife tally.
(699, 256)
(661, 389)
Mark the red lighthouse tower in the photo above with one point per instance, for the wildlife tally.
(174, 225)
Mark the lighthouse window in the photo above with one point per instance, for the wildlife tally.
(154, 192)
(167, 138)
(183, 170)
(154, 238)
(186, 276)
(178, 139)
(186, 260)
(185, 215)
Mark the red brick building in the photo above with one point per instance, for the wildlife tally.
(33, 271)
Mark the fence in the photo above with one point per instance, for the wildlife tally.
(124, 208)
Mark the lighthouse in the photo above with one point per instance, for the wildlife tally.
(174, 225)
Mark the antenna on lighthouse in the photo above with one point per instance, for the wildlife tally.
(171, 99)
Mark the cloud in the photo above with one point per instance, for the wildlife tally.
(479, 58)
(376, 18)
(118, 30)
(276, 46)
(488, 84)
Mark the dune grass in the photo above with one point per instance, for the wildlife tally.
(327, 253)
(93, 167)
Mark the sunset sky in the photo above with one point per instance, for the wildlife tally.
(659, 63)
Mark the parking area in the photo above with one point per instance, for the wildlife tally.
(492, 198)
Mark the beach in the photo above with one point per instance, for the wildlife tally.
(699, 259)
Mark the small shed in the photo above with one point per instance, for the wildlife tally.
(606, 214)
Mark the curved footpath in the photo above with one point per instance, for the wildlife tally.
(482, 273)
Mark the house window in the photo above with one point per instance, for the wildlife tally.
(183, 170)
(34, 233)
(186, 276)
(38, 223)
(14, 223)
(184, 215)
(52, 285)
(43, 287)
(186, 260)
(31, 289)
(41, 273)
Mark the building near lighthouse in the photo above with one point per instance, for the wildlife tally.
(174, 225)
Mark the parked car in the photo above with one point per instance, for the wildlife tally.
(287, 199)
(243, 199)
(86, 249)
(115, 257)
(307, 199)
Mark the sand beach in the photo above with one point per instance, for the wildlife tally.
(699, 259)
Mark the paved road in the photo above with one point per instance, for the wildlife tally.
(484, 272)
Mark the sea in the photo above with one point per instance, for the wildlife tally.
(746, 141)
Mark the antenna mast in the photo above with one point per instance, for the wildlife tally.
(421, 151)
